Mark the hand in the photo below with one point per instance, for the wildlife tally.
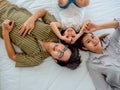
(92, 27)
(7, 26)
(75, 38)
(84, 26)
(27, 27)
(82, 30)
(88, 26)
(67, 40)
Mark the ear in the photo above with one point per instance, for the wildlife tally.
(84, 48)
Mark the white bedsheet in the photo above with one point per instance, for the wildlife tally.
(49, 75)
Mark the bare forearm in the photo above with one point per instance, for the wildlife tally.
(55, 26)
(9, 47)
(38, 14)
(113, 24)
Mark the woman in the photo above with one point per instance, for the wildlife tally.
(104, 59)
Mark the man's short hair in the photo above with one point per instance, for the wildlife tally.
(74, 60)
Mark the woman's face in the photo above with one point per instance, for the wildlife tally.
(70, 33)
(91, 42)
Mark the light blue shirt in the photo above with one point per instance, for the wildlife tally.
(105, 68)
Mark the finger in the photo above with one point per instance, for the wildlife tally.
(25, 32)
(12, 23)
(6, 22)
(82, 28)
(20, 27)
(22, 30)
(30, 31)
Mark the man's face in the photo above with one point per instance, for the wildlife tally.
(59, 51)
(91, 42)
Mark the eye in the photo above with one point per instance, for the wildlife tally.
(88, 41)
(60, 55)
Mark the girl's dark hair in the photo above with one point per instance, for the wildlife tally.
(74, 60)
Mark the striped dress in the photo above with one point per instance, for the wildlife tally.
(32, 52)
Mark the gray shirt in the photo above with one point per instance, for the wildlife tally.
(105, 68)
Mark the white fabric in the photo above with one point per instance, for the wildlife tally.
(71, 17)
(49, 75)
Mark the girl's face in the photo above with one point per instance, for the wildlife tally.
(91, 42)
(70, 33)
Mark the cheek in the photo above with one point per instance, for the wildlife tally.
(54, 54)
(89, 46)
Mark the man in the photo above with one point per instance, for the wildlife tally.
(35, 38)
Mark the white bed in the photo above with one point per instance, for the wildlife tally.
(49, 75)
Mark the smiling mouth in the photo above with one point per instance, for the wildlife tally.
(96, 43)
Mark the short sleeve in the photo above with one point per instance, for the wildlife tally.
(23, 60)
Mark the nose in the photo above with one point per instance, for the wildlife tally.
(69, 34)
(60, 50)
(94, 41)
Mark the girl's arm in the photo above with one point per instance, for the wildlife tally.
(55, 27)
(7, 26)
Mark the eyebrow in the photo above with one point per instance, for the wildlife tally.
(89, 38)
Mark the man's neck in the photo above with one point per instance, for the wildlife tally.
(45, 45)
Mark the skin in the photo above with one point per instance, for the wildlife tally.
(69, 35)
(81, 3)
(26, 28)
(92, 43)
(53, 48)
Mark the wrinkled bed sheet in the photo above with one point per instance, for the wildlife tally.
(49, 75)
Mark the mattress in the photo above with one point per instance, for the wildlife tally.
(49, 75)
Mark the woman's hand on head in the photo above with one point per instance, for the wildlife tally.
(92, 27)
(84, 25)
(27, 27)
(88, 26)
(7, 26)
